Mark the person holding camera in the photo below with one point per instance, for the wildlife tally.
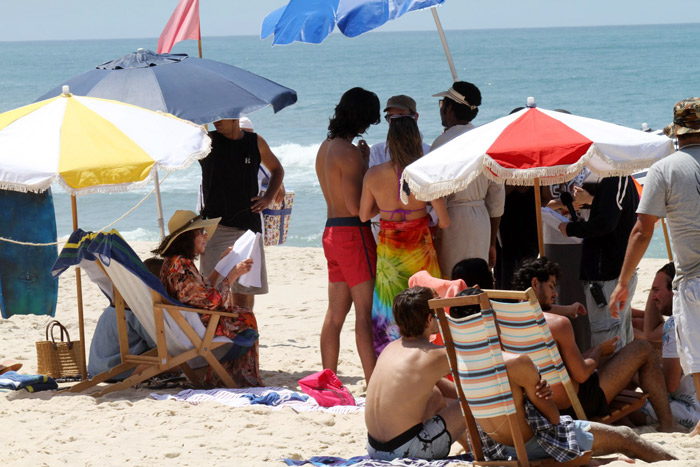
(605, 235)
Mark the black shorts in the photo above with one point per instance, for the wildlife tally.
(592, 399)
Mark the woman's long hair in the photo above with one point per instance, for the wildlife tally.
(183, 245)
(404, 141)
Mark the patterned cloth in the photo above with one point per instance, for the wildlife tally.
(403, 249)
(684, 403)
(242, 398)
(183, 281)
(363, 461)
(559, 441)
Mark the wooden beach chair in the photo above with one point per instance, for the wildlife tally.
(524, 330)
(181, 338)
(480, 376)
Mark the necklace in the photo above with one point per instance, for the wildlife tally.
(689, 145)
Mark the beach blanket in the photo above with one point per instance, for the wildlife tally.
(275, 397)
(32, 383)
(365, 461)
(403, 249)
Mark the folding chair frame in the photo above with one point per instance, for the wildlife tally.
(158, 360)
(624, 403)
(439, 306)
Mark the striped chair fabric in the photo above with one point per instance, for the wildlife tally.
(525, 331)
(480, 366)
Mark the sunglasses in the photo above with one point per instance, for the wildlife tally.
(389, 118)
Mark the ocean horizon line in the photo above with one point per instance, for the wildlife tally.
(337, 33)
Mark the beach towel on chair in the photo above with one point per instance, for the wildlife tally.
(403, 248)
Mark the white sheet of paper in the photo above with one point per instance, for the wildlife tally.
(552, 219)
(247, 246)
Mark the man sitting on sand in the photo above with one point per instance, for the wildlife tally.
(546, 433)
(597, 384)
(682, 397)
(405, 411)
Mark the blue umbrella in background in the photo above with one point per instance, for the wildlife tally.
(313, 20)
(194, 89)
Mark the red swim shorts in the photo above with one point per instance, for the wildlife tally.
(350, 250)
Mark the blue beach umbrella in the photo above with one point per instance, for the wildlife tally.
(194, 89)
(312, 21)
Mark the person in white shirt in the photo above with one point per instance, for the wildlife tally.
(476, 211)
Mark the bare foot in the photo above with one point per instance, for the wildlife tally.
(608, 460)
(696, 430)
(672, 428)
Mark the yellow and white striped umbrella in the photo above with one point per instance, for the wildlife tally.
(92, 145)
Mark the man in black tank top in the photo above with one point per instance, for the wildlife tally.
(230, 191)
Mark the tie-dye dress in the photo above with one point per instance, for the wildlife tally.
(403, 248)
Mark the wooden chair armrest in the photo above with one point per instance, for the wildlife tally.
(201, 311)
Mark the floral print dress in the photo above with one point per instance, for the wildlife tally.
(184, 282)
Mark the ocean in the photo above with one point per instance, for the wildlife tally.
(627, 75)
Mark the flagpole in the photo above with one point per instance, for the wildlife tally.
(444, 43)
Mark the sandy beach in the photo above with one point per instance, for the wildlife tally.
(130, 427)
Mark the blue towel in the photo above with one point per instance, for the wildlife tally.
(32, 383)
(365, 461)
(327, 460)
(274, 398)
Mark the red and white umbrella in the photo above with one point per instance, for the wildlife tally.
(532, 147)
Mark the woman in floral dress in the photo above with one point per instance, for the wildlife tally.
(183, 281)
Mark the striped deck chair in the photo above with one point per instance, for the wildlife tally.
(476, 361)
(182, 341)
(524, 330)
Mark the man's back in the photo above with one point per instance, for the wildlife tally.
(401, 386)
(339, 168)
(673, 191)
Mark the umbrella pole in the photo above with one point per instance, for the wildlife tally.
(444, 43)
(79, 285)
(538, 214)
(159, 204)
(668, 242)
(199, 44)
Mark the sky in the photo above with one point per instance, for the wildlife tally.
(101, 19)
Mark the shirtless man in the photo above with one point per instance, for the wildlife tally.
(348, 244)
(405, 411)
(407, 416)
(597, 383)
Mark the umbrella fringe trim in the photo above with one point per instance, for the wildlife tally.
(23, 188)
(122, 187)
(99, 189)
(548, 175)
(523, 177)
(438, 189)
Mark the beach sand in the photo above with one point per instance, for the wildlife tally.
(130, 427)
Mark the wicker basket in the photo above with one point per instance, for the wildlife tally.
(60, 359)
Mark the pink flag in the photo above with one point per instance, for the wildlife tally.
(183, 25)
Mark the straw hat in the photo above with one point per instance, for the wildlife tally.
(183, 221)
(9, 365)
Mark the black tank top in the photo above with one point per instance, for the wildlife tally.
(230, 180)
